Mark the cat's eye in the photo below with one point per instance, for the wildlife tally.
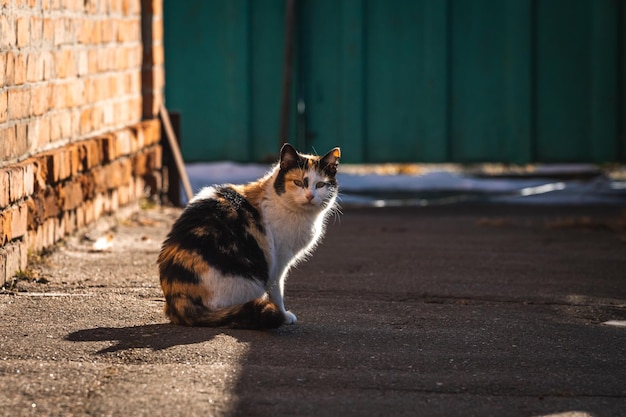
(320, 185)
(298, 183)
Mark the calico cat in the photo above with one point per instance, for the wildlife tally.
(225, 261)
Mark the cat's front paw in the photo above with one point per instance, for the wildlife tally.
(290, 318)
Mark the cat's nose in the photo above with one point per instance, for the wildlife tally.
(309, 196)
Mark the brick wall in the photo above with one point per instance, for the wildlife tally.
(80, 86)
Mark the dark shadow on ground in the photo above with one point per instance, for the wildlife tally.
(152, 336)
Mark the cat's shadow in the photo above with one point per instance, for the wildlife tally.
(151, 336)
(161, 336)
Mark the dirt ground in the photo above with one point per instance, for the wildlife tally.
(435, 311)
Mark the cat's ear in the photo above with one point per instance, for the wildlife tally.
(329, 162)
(288, 156)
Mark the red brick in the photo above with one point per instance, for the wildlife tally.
(60, 125)
(9, 77)
(38, 131)
(90, 154)
(115, 175)
(140, 164)
(80, 216)
(32, 243)
(71, 195)
(123, 195)
(16, 183)
(69, 218)
(23, 31)
(86, 120)
(65, 63)
(34, 67)
(60, 31)
(3, 275)
(59, 166)
(124, 141)
(48, 31)
(89, 211)
(18, 103)
(19, 220)
(134, 57)
(13, 259)
(155, 158)
(40, 99)
(40, 174)
(88, 185)
(4, 188)
(4, 98)
(36, 211)
(8, 138)
(48, 233)
(47, 63)
(73, 5)
(5, 226)
(51, 203)
(96, 31)
(19, 70)
(108, 147)
(3, 68)
(128, 30)
(108, 30)
(83, 31)
(83, 63)
(21, 139)
(74, 159)
(100, 175)
(7, 31)
(157, 29)
(29, 178)
(151, 131)
(36, 30)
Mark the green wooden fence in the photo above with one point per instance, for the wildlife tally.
(402, 80)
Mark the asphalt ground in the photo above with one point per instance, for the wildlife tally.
(436, 311)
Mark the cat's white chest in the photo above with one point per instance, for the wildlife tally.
(289, 238)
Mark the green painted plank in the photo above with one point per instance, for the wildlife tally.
(563, 80)
(207, 76)
(603, 104)
(321, 73)
(266, 71)
(406, 81)
(490, 80)
(518, 82)
(621, 108)
(350, 129)
(331, 73)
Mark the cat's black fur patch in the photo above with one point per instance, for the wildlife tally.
(175, 272)
(218, 229)
(279, 183)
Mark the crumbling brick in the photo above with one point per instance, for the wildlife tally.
(4, 188)
(19, 220)
(16, 183)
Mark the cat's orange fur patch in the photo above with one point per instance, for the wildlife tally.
(189, 260)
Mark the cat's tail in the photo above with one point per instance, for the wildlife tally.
(258, 314)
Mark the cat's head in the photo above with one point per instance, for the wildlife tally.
(307, 182)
